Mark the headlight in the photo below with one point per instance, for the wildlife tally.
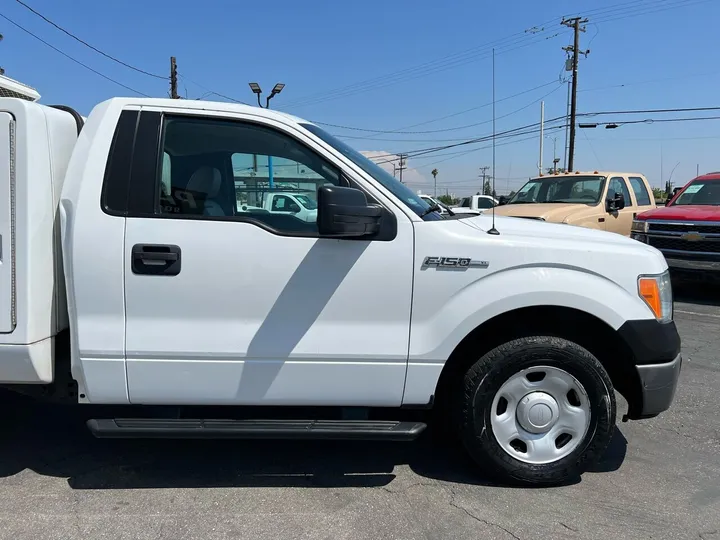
(657, 292)
(639, 226)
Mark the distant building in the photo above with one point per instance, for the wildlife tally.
(12, 88)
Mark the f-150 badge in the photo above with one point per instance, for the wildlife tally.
(453, 262)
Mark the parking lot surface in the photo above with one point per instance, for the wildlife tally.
(660, 478)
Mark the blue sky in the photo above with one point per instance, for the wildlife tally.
(389, 65)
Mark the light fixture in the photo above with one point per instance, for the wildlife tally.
(255, 87)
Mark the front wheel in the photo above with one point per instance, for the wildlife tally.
(536, 410)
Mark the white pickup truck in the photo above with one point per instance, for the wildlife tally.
(475, 204)
(299, 204)
(381, 316)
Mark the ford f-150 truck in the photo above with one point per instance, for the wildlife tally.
(120, 287)
(687, 229)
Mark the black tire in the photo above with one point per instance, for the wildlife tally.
(483, 380)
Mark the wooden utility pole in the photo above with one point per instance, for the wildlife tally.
(173, 79)
(402, 165)
(483, 174)
(574, 23)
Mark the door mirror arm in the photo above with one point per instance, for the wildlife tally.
(613, 204)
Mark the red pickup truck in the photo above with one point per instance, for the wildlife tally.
(687, 228)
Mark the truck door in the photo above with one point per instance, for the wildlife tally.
(7, 321)
(253, 308)
(620, 221)
(644, 199)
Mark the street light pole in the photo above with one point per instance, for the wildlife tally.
(255, 87)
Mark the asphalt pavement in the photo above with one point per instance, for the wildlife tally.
(659, 479)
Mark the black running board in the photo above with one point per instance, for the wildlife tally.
(126, 428)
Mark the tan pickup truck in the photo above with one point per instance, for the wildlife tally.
(597, 200)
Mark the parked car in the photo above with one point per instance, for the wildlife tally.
(606, 201)
(687, 229)
(475, 204)
(433, 201)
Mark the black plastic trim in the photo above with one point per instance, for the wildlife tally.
(79, 122)
(144, 175)
(659, 384)
(651, 341)
(174, 428)
(114, 195)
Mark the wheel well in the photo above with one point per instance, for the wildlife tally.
(578, 326)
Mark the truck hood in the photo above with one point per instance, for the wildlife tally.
(530, 228)
(553, 212)
(683, 213)
(529, 243)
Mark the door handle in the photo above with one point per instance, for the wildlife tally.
(156, 259)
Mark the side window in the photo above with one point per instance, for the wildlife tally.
(165, 178)
(485, 203)
(465, 203)
(618, 185)
(241, 170)
(641, 192)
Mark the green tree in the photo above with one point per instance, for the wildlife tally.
(446, 199)
(659, 194)
(487, 188)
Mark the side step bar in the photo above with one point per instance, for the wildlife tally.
(126, 428)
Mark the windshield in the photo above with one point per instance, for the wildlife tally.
(307, 202)
(702, 192)
(401, 191)
(561, 189)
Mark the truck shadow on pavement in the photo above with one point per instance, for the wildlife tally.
(52, 440)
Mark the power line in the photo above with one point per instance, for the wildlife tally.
(614, 12)
(522, 130)
(651, 81)
(465, 152)
(8, 19)
(656, 121)
(209, 91)
(76, 38)
(458, 128)
(399, 130)
(657, 6)
(652, 111)
(513, 46)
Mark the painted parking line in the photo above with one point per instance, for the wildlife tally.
(697, 313)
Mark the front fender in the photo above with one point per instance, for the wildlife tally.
(436, 333)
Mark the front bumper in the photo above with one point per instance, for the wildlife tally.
(655, 348)
(692, 264)
(659, 382)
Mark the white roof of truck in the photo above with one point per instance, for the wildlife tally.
(219, 106)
